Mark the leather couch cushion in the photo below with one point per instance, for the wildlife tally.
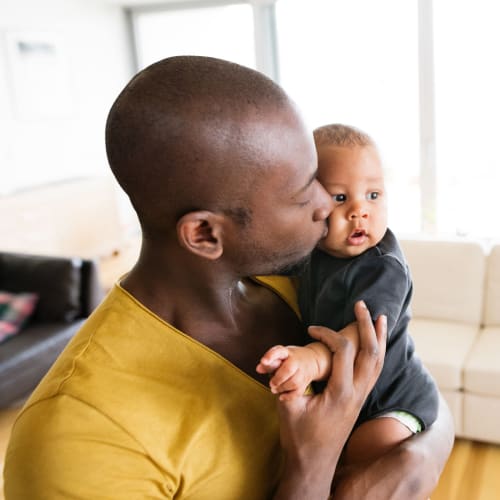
(56, 281)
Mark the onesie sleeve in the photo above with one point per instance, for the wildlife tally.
(82, 455)
(383, 283)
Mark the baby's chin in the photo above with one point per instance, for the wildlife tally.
(346, 252)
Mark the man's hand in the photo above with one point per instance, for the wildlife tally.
(315, 428)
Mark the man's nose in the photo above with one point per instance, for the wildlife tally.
(324, 204)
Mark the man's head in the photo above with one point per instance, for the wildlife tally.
(215, 157)
(350, 169)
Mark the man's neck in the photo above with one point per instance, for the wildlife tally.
(234, 316)
(177, 286)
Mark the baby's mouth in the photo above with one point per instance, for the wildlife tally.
(357, 237)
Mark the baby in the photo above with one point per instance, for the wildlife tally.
(359, 259)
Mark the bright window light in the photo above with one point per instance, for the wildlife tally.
(467, 76)
(226, 32)
(356, 63)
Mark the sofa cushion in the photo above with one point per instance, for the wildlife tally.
(455, 401)
(15, 310)
(448, 279)
(56, 280)
(480, 418)
(492, 286)
(443, 347)
(482, 369)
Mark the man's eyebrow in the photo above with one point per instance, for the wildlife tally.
(309, 182)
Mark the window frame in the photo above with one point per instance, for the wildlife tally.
(267, 61)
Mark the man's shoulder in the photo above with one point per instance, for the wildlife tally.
(284, 286)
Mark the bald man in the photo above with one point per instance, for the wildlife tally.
(157, 395)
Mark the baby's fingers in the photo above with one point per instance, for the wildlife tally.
(283, 376)
(290, 395)
(272, 359)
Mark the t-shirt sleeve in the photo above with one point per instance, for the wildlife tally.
(383, 282)
(81, 456)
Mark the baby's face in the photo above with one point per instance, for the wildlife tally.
(354, 178)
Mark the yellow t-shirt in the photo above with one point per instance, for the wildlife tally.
(135, 409)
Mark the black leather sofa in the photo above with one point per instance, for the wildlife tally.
(68, 291)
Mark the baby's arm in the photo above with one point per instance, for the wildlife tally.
(294, 368)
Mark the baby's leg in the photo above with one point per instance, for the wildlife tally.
(373, 439)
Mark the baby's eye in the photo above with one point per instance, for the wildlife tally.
(339, 198)
(373, 195)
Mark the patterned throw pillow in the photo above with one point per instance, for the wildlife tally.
(15, 309)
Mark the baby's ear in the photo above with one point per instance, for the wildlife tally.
(200, 232)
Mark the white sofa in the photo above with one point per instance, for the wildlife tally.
(456, 328)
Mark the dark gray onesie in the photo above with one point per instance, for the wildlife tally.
(328, 290)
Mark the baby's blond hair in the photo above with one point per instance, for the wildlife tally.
(337, 134)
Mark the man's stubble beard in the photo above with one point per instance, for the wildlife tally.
(294, 268)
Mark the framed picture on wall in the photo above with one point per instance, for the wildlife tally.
(39, 75)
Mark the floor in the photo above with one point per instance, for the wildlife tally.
(472, 473)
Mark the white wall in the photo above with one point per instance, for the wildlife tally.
(67, 140)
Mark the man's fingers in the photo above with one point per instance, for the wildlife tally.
(355, 371)
(290, 395)
(372, 345)
(293, 408)
(344, 353)
(321, 333)
(381, 329)
(369, 341)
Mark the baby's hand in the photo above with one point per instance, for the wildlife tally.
(272, 359)
(293, 369)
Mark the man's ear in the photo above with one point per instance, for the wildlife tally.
(201, 233)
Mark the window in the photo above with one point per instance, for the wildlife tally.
(223, 31)
(356, 63)
(467, 79)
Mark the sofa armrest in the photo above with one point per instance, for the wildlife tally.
(67, 287)
(91, 290)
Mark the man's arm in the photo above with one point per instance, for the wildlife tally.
(314, 429)
(410, 471)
